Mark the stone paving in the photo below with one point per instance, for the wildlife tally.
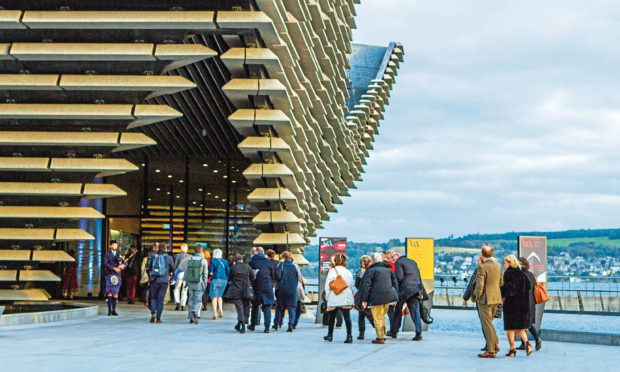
(130, 343)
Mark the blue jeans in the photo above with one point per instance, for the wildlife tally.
(158, 295)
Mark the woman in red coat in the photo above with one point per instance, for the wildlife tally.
(69, 281)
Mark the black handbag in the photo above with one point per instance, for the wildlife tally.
(323, 308)
(499, 311)
(425, 315)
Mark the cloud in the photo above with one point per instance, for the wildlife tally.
(504, 116)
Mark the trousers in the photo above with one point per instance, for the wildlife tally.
(242, 306)
(130, 287)
(180, 290)
(194, 303)
(266, 313)
(414, 311)
(158, 295)
(486, 314)
(332, 314)
(361, 320)
(378, 313)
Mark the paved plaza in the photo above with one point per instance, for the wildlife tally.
(130, 343)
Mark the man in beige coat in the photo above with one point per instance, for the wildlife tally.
(488, 296)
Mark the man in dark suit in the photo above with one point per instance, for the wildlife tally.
(263, 288)
(488, 296)
(409, 292)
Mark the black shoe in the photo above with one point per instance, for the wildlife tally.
(521, 347)
(484, 349)
(328, 338)
(109, 313)
(114, 313)
(251, 327)
(182, 308)
(418, 337)
(393, 334)
(152, 319)
(177, 308)
(242, 329)
(238, 326)
(191, 321)
(361, 336)
(290, 328)
(349, 340)
(266, 330)
(538, 344)
(275, 327)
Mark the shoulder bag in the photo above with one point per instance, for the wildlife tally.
(338, 285)
(540, 293)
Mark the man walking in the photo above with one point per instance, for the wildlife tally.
(379, 289)
(487, 295)
(180, 285)
(160, 269)
(409, 292)
(196, 276)
(263, 288)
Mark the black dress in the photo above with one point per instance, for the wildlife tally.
(516, 294)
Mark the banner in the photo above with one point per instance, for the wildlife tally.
(328, 247)
(534, 248)
(422, 251)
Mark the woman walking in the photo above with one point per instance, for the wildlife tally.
(240, 290)
(287, 278)
(525, 266)
(341, 302)
(220, 271)
(363, 314)
(516, 294)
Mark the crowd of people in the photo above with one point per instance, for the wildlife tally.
(386, 284)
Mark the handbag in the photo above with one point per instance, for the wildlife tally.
(338, 285)
(540, 293)
(425, 315)
(323, 308)
(499, 311)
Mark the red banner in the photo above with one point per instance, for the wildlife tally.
(328, 248)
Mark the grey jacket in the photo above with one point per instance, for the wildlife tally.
(204, 274)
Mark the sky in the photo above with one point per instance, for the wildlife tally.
(505, 116)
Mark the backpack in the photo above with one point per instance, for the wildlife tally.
(159, 265)
(194, 268)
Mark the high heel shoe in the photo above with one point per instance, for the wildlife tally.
(528, 348)
(512, 353)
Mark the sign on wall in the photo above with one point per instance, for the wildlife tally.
(328, 247)
(422, 251)
(534, 248)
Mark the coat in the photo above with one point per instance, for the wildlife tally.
(408, 278)
(219, 269)
(288, 279)
(240, 282)
(516, 293)
(344, 298)
(379, 286)
(488, 281)
(265, 279)
(469, 291)
(533, 282)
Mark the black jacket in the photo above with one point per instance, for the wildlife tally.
(408, 277)
(470, 286)
(516, 294)
(532, 280)
(240, 282)
(379, 285)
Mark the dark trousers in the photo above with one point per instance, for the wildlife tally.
(361, 320)
(130, 286)
(534, 332)
(243, 310)
(158, 295)
(266, 313)
(414, 310)
(146, 293)
(390, 314)
(297, 313)
(346, 314)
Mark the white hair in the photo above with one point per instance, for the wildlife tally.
(377, 257)
(217, 253)
(184, 247)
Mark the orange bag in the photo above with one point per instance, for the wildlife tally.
(540, 293)
(338, 285)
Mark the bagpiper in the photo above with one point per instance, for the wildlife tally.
(114, 264)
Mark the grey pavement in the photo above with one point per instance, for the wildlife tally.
(130, 343)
